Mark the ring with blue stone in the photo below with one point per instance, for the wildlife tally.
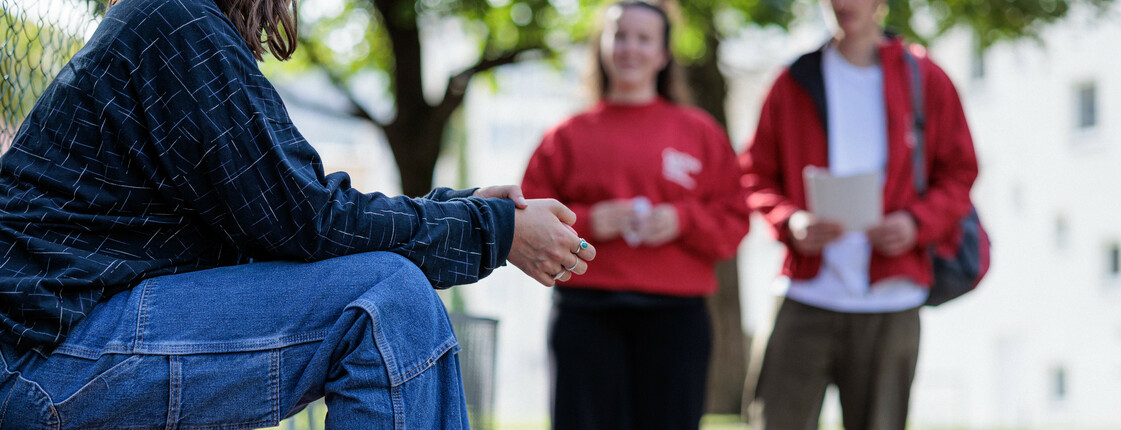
(583, 245)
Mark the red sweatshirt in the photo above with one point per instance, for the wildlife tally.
(665, 152)
(792, 135)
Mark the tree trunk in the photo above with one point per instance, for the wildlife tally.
(728, 366)
(415, 150)
(415, 134)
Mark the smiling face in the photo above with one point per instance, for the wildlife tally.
(633, 49)
(857, 17)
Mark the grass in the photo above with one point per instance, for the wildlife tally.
(710, 422)
(318, 412)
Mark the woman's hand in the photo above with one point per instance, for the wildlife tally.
(610, 218)
(661, 226)
(545, 246)
(512, 192)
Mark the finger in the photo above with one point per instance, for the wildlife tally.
(581, 267)
(892, 251)
(492, 192)
(836, 230)
(832, 235)
(553, 274)
(578, 266)
(562, 276)
(544, 279)
(515, 194)
(563, 213)
(587, 254)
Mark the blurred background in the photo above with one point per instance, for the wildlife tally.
(410, 94)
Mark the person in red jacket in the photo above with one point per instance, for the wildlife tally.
(850, 314)
(655, 184)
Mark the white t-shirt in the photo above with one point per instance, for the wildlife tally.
(854, 97)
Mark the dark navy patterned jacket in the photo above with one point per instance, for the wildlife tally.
(160, 148)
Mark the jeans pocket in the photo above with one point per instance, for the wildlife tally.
(116, 391)
(229, 391)
(23, 406)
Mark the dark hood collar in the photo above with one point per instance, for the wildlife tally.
(806, 71)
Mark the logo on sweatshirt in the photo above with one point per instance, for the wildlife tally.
(679, 167)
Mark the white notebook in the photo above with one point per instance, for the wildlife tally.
(854, 201)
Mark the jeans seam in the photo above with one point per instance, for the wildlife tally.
(380, 341)
(4, 407)
(142, 314)
(175, 374)
(398, 407)
(383, 347)
(430, 361)
(275, 364)
(398, 376)
(56, 421)
(211, 348)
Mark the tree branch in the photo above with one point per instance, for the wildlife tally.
(356, 109)
(457, 84)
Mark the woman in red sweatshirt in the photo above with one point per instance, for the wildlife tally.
(655, 184)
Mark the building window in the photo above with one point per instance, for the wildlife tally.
(1017, 195)
(1062, 233)
(1113, 261)
(977, 71)
(1087, 105)
(1058, 383)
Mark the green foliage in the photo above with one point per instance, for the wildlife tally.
(349, 36)
(346, 35)
(1000, 20)
(992, 20)
(696, 21)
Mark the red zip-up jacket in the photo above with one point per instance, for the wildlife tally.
(666, 152)
(792, 135)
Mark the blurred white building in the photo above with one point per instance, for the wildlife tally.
(1039, 344)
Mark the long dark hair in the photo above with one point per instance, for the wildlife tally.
(670, 82)
(274, 19)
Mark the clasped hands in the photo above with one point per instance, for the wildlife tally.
(635, 220)
(545, 246)
(892, 237)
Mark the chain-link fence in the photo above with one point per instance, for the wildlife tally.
(37, 37)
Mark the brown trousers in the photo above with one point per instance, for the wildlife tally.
(871, 358)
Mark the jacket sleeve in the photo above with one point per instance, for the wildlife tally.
(714, 224)
(761, 165)
(232, 157)
(443, 194)
(950, 160)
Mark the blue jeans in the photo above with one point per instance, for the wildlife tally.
(246, 346)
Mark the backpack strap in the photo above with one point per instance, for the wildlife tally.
(919, 127)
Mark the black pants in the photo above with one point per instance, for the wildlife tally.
(625, 367)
